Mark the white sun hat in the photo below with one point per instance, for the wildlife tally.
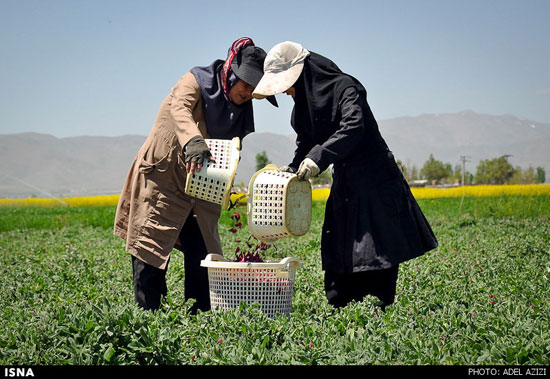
(282, 67)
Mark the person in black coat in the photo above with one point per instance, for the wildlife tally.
(372, 221)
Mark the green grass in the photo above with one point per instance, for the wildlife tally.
(489, 207)
(55, 217)
(480, 298)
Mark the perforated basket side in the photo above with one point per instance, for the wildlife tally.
(267, 287)
(214, 182)
(270, 284)
(279, 205)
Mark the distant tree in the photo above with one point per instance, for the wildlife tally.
(435, 170)
(468, 177)
(494, 171)
(409, 172)
(403, 169)
(527, 176)
(541, 174)
(450, 178)
(413, 173)
(261, 160)
(457, 174)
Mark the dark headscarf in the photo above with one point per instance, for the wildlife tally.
(317, 93)
(223, 118)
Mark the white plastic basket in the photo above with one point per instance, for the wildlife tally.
(213, 183)
(270, 284)
(279, 205)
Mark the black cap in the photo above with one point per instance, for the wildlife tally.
(248, 65)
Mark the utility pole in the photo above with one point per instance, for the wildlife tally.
(464, 159)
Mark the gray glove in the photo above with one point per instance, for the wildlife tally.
(307, 169)
(287, 169)
(196, 153)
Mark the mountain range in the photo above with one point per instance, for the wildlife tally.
(42, 165)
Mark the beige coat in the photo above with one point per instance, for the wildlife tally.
(153, 207)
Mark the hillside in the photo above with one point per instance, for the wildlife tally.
(42, 165)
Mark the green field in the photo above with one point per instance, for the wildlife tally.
(480, 298)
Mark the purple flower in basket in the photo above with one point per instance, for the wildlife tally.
(252, 253)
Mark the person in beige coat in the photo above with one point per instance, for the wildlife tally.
(154, 215)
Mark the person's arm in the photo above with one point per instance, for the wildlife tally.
(350, 132)
(303, 145)
(185, 97)
(302, 148)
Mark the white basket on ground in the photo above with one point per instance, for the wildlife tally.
(270, 284)
(279, 205)
(213, 183)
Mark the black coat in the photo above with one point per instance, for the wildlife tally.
(372, 220)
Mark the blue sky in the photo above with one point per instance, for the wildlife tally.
(95, 67)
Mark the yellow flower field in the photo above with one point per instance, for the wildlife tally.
(320, 194)
(66, 201)
(482, 191)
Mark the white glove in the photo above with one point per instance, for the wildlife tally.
(287, 169)
(307, 169)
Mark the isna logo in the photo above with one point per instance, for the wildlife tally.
(18, 372)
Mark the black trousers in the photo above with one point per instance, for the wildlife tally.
(150, 282)
(341, 289)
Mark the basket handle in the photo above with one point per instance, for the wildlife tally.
(291, 261)
(237, 141)
(215, 258)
